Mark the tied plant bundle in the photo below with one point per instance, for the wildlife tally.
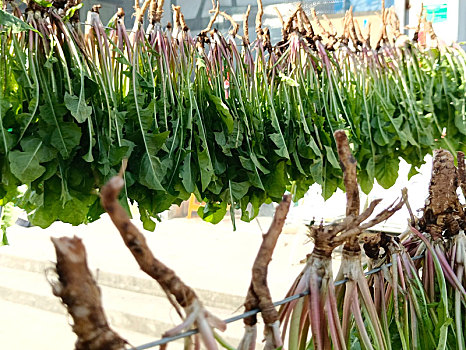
(236, 120)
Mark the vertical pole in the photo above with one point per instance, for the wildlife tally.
(401, 8)
(461, 21)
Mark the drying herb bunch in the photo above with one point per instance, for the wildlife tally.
(417, 299)
(320, 312)
(201, 114)
(421, 303)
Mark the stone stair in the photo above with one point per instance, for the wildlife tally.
(131, 303)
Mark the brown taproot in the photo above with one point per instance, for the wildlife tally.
(443, 211)
(259, 294)
(80, 294)
(196, 314)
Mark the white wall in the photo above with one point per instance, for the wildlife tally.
(450, 30)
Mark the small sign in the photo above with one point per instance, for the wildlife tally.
(436, 13)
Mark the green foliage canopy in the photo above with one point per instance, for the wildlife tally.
(234, 126)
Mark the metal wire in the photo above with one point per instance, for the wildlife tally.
(255, 311)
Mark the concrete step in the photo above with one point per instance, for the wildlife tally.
(143, 313)
(25, 327)
(126, 282)
(206, 257)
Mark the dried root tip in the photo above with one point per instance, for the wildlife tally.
(183, 23)
(368, 36)
(419, 22)
(215, 11)
(81, 295)
(289, 23)
(299, 20)
(332, 40)
(267, 41)
(333, 31)
(345, 34)
(404, 193)
(280, 17)
(384, 16)
(258, 293)
(139, 12)
(394, 23)
(159, 13)
(352, 29)
(177, 16)
(322, 30)
(234, 24)
(120, 13)
(246, 26)
(307, 24)
(96, 8)
(379, 40)
(430, 30)
(152, 11)
(383, 37)
(359, 35)
(260, 13)
(136, 243)
(145, 6)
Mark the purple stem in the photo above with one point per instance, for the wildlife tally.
(350, 291)
(449, 273)
(407, 265)
(430, 275)
(332, 326)
(360, 322)
(333, 311)
(400, 273)
(453, 256)
(378, 289)
(459, 326)
(369, 303)
(317, 314)
(301, 287)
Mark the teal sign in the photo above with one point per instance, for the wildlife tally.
(436, 13)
